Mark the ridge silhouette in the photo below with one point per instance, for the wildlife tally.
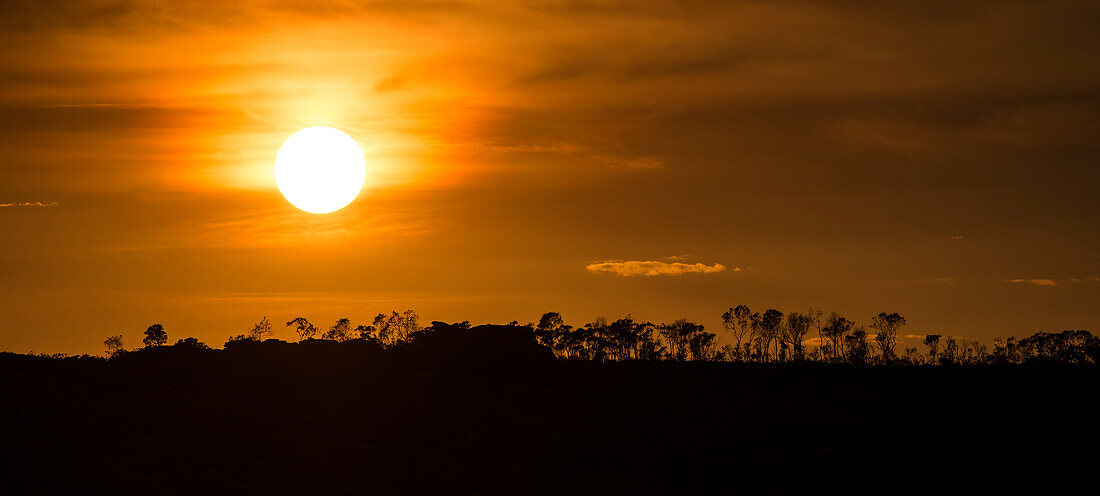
(620, 407)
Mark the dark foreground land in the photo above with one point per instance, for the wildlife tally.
(445, 418)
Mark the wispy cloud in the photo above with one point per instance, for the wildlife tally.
(29, 204)
(650, 268)
(955, 237)
(1037, 282)
(632, 162)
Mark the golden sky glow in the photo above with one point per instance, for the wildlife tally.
(857, 156)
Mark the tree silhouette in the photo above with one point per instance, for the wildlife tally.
(836, 328)
(754, 338)
(649, 347)
(113, 345)
(932, 341)
(798, 325)
(340, 331)
(409, 323)
(630, 340)
(770, 324)
(1070, 347)
(816, 317)
(365, 332)
(155, 335)
(950, 354)
(261, 330)
(887, 325)
(237, 340)
(702, 345)
(621, 338)
(591, 340)
(396, 327)
(190, 343)
(738, 320)
(858, 351)
(548, 329)
(678, 336)
(303, 327)
(563, 341)
(687, 340)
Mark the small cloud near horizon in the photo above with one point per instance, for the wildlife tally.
(29, 204)
(632, 162)
(1037, 282)
(631, 268)
(955, 237)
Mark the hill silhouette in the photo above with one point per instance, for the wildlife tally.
(488, 410)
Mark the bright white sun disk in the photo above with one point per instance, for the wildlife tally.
(320, 169)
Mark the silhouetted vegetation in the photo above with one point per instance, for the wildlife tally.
(155, 336)
(770, 337)
(610, 407)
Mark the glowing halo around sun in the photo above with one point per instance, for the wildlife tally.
(320, 169)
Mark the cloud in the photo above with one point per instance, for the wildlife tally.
(955, 237)
(29, 204)
(632, 163)
(653, 268)
(1037, 282)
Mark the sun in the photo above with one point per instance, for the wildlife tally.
(320, 169)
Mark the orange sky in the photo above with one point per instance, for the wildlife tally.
(937, 159)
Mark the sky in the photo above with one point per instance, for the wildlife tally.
(660, 159)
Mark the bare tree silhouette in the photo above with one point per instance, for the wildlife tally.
(261, 330)
(114, 345)
(303, 327)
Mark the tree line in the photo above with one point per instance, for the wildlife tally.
(754, 337)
